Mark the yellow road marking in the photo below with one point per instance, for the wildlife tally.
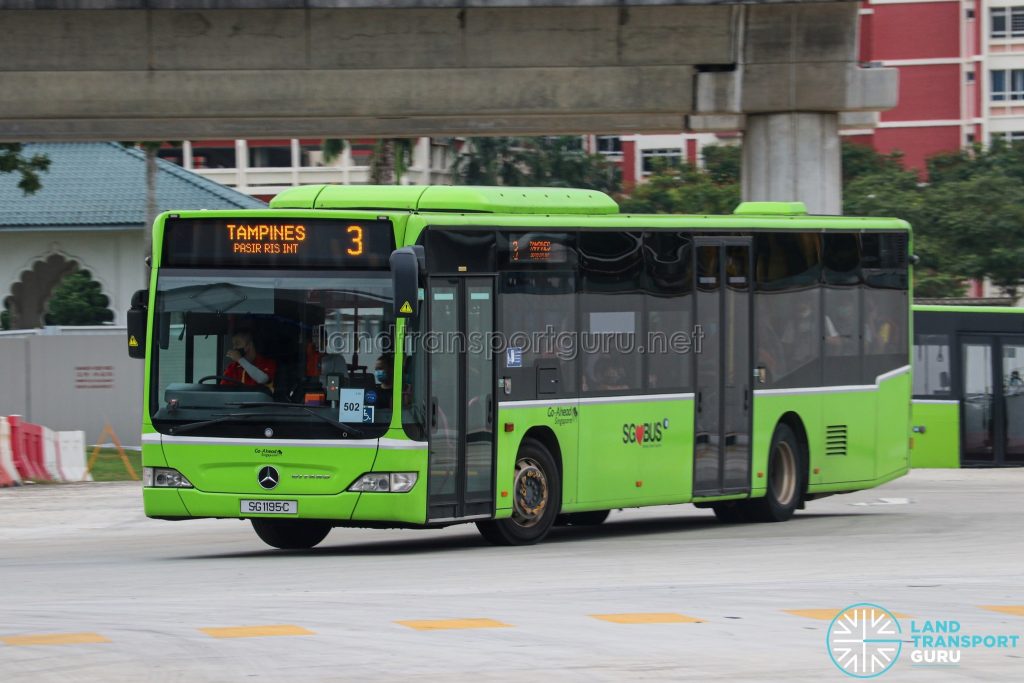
(257, 631)
(648, 618)
(1016, 610)
(442, 624)
(829, 614)
(55, 639)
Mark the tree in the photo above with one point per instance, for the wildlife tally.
(861, 160)
(551, 161)
(389, 160)
(682, 189)
(723, 162)
(13, 161)
(78, 300)
(489, 161)
(150, 149)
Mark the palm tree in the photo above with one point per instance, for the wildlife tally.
(389, 160)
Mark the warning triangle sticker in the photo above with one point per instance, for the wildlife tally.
(406, 308)
(132, 341)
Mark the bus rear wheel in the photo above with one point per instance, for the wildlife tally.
(536, 499)
(785, 480)
(291, 534)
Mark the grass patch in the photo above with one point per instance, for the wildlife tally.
(110, 467)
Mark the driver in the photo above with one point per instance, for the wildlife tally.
(248, 367)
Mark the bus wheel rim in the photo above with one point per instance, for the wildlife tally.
(784, 473)
(531, 493)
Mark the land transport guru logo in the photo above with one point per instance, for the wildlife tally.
(866, 640)
(644, 434)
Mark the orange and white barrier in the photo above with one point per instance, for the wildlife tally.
(50, 461)
(8, 472)
(34, 452)
(71, 456)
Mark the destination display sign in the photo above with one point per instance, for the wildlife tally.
(285, 242)
(537, 247)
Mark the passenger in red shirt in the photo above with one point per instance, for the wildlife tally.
(248, 367)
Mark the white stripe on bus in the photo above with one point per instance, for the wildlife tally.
(638, 398)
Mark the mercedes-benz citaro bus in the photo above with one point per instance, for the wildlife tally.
(515, 357)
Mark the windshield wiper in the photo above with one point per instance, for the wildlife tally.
(192, 426)
(356, 431)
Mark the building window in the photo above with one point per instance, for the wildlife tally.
(608, 144)
(1007, 22)
(660, 158)
(270, 157)
(1007, 84)
(970, 14)
(1009, 137)
(969, 76)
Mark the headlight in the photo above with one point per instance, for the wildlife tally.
(389, 482)
(164, 477)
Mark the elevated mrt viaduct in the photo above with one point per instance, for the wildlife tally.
(785, 73)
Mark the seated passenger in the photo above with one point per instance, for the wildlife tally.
(248, 367)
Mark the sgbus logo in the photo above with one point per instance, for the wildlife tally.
(645, 433)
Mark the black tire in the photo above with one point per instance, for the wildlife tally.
(291, 534)
(731, 511)
(536, 499)
(590, 518)
(787, 472)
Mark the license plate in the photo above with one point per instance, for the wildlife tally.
(270, 507)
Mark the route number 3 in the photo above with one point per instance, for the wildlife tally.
(357, 240)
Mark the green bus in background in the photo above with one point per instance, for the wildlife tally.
(968, 386)
(515, 357)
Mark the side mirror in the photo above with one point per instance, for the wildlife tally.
(137, 324)
(406, 265)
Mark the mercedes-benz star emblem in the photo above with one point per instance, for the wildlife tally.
(268, 477)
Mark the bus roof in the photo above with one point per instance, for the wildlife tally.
(448, 198)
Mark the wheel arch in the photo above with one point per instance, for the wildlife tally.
(546, 437)
(794, 422)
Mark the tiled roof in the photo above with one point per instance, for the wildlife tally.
(94, 185)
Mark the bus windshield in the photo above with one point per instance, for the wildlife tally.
(253, 354)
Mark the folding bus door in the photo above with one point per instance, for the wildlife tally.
(462, 406)
(723, 397)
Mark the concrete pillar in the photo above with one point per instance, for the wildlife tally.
(241, 165)
(793, 156)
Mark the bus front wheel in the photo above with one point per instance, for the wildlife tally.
(785, 479)
(290, 534)
(536, 499)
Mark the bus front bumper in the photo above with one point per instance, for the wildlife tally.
(184, 503)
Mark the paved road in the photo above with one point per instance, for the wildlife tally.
(750, 602)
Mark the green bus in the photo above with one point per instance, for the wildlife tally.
(968, 386)
(517, 358)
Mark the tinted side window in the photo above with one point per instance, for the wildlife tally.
(787, 309)
(668, 342)
(612, 308)
(886, 309)
(841, 275)
(448, 251)
(538, 321)
(931, 366)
